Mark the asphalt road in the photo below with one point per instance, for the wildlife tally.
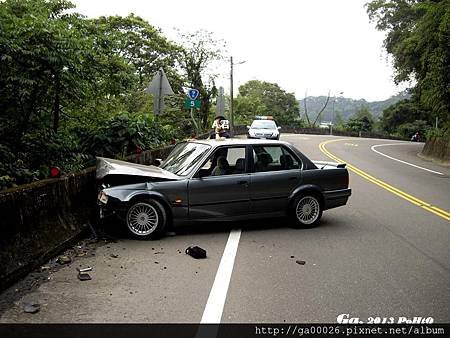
(385, 254)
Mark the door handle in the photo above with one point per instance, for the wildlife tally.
(242, 182)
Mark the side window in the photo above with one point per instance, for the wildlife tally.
(289, 160)
(273, 158)
(267, 158)
(225, 161)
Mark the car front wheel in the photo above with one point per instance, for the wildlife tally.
(146, 219)
(307, 210)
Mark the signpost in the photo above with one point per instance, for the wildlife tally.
(158, 87)
(220, 103)
(191, 102)
(188, 103)
(193, 93)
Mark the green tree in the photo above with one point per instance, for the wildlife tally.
(130, 51)
(200, 51)
(264, 98)
(417, 37)
(361, 121)
(405, 111)
(43, 62)
(339, 120)
(66, 79)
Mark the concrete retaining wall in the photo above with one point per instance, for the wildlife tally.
(437, 149)
(39, 220)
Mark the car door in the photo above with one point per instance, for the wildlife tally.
(276, 172)
(218, 190)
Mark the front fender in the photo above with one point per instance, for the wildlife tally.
(148, 193)
(126, 195)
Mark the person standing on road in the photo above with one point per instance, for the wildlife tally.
(221, 126)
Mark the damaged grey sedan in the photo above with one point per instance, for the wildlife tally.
(226, 180)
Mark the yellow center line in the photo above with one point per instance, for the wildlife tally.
(412, 199)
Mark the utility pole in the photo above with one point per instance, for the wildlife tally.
(231, 94)
(231, 98)
(332, 121)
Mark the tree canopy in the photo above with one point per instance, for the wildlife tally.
(361, 121)
(264, 98)
(417, 38)
(72, 88)
(200, 50)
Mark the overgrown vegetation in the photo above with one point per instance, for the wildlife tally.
(72, 88)
(417, 36)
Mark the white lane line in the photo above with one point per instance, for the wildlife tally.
(218, 294)
(396, 159)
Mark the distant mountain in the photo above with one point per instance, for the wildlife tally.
(346, 106)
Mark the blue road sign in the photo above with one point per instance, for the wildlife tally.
(193, 94)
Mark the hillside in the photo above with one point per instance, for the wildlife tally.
(346, 106)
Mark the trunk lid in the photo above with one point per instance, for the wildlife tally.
(329, 165)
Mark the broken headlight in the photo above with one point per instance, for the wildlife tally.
(102, 197)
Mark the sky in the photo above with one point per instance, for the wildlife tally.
(305, 46)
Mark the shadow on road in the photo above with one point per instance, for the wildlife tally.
(117, 229)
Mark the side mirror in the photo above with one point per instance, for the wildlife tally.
(248, 127)
(157, 162)
(278, 128)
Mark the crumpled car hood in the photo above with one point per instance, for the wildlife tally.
(108, 166)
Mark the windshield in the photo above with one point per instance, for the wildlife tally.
(264, 124)
(184, 157)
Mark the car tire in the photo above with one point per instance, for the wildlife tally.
(306, 210)
(146, 219)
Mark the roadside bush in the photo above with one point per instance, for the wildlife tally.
(37, 153)
(13, 170)
(126, 134)
(406, 130)
(438, 133)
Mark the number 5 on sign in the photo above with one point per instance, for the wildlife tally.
(188, 103)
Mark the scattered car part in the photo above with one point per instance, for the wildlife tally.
(196, 252)
(64, 260)
(31, 307)
(84, 276)
(84, 269)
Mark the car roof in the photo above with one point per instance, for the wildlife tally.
(237, 141)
